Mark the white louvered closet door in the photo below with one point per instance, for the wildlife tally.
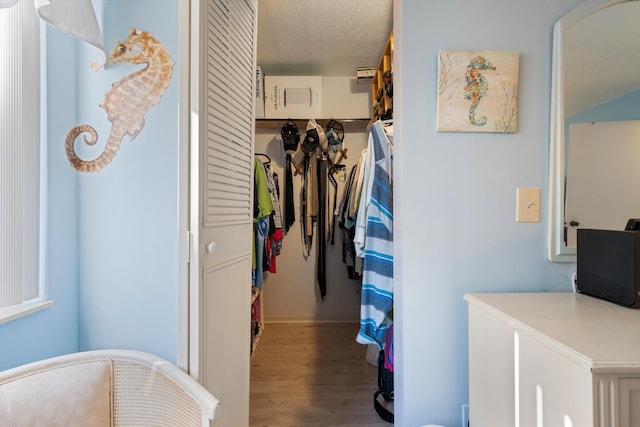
(225, 214)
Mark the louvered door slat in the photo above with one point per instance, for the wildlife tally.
(229, 150)
(229, 112)
(226, 113)
(229, 88)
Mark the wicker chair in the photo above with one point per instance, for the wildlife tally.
(103, 388)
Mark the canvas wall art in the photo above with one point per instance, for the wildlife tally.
(477, 91)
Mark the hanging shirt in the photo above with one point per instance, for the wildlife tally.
(262, 210)
(377, 275)
(365, 198)
(367, 186)
(354, 198)
(275, 200)
(263, 202)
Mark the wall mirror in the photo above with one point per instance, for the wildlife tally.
(595, 82)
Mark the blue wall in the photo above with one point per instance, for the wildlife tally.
(113, 249)
(128, 227)
(454, 194)
(626, 107)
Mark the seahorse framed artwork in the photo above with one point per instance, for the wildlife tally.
(128, 100)
(477, 91)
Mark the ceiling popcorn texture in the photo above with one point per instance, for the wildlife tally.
(321, 37)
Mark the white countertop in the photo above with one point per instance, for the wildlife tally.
(602, 335)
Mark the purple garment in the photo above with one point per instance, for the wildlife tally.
(388, 349)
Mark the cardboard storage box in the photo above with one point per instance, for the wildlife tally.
(297, 97)
(259, 108)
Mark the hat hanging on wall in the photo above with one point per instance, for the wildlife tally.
(290, 136)
(311, 141)
(335, 135)
(314, 138)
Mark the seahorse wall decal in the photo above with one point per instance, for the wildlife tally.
(129, 99)
(476, 87)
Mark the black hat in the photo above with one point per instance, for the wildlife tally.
(290, 136)
(311, 141)
(335, 135)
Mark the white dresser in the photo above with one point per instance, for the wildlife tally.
(552, 360)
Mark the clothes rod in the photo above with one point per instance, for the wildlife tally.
(349, 124)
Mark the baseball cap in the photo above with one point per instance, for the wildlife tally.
(314, 138)
(290, 136)
(311, 141)
(335, 134)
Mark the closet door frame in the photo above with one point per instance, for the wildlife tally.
(184, 135)
(188, 354)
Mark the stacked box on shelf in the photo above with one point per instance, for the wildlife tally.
(382, 84)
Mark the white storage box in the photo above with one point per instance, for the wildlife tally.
(297, 97)
(259, 108)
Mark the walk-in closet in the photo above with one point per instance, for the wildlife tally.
(310, 360)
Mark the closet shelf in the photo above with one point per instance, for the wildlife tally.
(349, 124)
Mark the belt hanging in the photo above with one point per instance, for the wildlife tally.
(306, 221)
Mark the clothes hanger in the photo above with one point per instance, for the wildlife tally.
(264, 155)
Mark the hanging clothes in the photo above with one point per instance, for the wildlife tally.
(289, 209)
(321, 273)
(354, 196)
(388, 349)
(377, 275)
(273, 192)
(306, 221)
(291, 141)
(347, 226)
(354, 203)
(262, 212)
(333, 210)
(274, 243)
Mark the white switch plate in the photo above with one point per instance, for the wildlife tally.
(527, 205)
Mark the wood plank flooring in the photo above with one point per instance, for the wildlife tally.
(312, 375)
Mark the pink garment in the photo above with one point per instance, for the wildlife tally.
(274, 238)
(388, 349)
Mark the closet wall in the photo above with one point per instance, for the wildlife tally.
(291, 294)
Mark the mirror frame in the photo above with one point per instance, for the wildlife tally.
(557, 251)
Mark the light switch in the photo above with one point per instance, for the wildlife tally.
(527, 205)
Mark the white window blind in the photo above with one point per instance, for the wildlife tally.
(19, 159)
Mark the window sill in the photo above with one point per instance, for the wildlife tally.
(11, 313)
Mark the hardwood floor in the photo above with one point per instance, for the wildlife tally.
(312, 375)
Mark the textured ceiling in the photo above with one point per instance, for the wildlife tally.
(321, 37)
